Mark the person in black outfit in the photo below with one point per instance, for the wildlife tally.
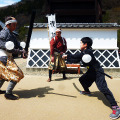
(95, 73)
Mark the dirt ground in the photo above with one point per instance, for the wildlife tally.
(56, 100)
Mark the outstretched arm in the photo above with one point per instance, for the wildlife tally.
(73, 58)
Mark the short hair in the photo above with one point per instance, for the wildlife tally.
(87, 40)
(8, 18)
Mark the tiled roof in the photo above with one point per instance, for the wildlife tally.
(79, 25)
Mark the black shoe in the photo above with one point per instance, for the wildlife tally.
(11, 97)
(2, 92)
(65, 78)
(85, 93)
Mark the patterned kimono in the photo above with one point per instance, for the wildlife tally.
(57, 45)
(8, 68)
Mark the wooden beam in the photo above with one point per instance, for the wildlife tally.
(74, 65)
(69, 0)
(75, 12)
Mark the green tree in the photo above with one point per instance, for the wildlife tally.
(22, 33)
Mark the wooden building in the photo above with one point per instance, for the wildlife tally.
(104, 37)
(78, 19)
(76, 11)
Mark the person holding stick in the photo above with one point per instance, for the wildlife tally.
(95, 74)
(9, 71)
(58, 46)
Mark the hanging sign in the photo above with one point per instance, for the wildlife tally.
(52, 25)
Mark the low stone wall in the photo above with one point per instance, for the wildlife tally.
(44, 71)
(72, 72)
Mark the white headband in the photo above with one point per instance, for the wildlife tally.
(58, 30)
(10, 21)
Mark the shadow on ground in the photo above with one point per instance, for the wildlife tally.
(63, 95)
(38, 92)
(97, 94)
(68, 78)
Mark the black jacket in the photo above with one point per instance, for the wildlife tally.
(93, 65)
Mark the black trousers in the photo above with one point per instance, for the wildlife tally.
(50, 74)
(89, 77)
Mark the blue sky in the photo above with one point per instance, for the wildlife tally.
(7, 2)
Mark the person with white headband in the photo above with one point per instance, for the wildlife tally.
(9, 71)
(10, 21)
(58, 46)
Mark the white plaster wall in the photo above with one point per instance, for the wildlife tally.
(39, 39)
(102, 38)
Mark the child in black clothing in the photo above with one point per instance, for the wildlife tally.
(95, 74)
